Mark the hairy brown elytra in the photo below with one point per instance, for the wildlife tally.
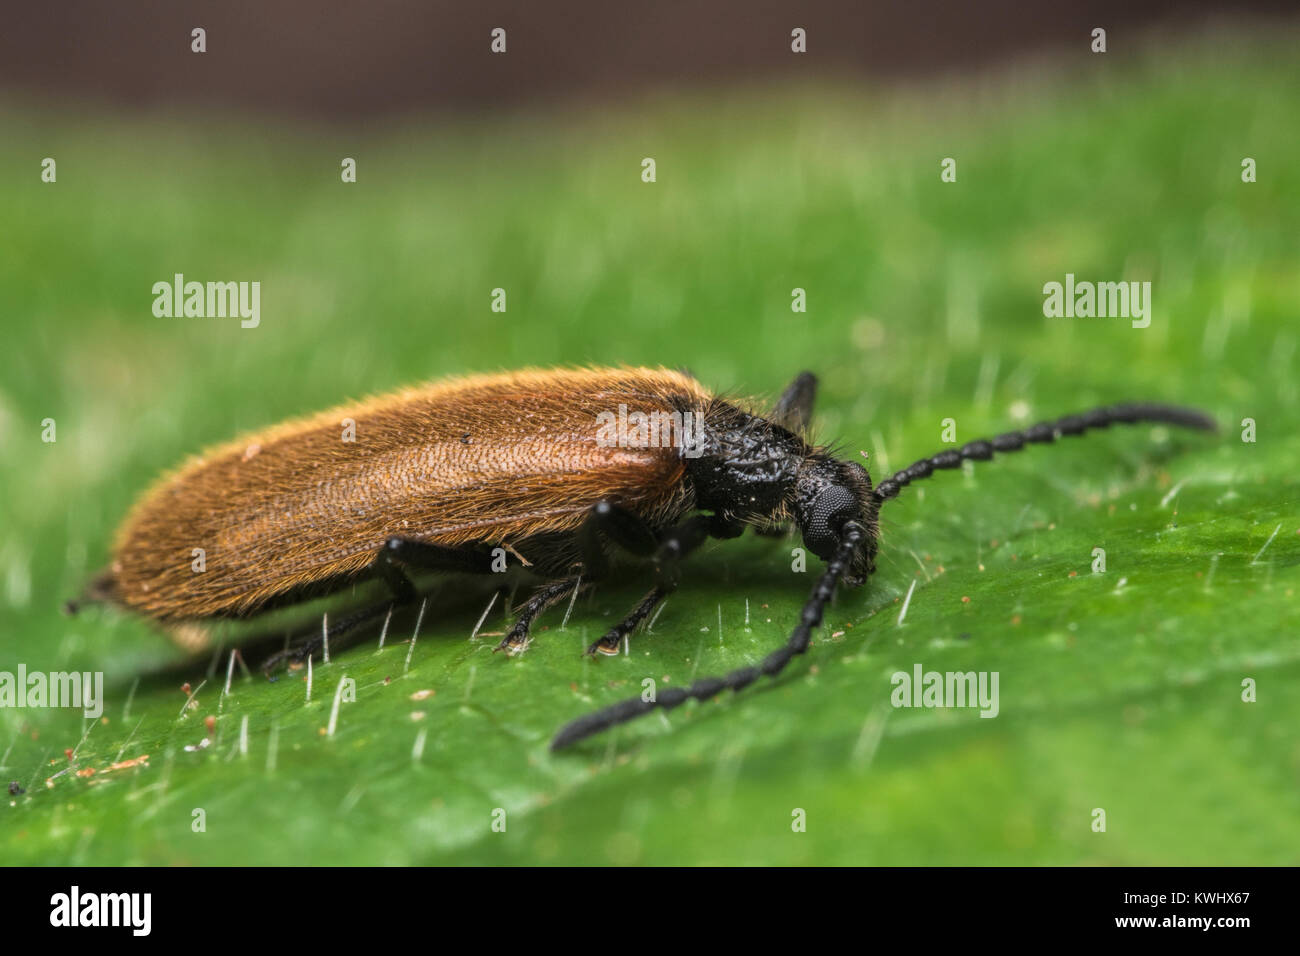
(455, 476)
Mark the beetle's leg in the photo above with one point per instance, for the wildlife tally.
(793, 410)
(429, 557)
(607, 521)
(614, 636)
(516, 639)
(676, 545)
(387, 566)
(342, 629)
(628, 531)
(398, 583)
(705, 688)
(620, 527)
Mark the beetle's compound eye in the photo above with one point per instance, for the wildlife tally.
(823, 517)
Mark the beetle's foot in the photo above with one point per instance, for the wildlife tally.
(290, 658)
(607, 645)
(515, 642)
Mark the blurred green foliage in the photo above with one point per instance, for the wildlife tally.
(1119, 690)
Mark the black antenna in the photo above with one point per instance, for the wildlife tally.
(1043, 432)
(708, 687)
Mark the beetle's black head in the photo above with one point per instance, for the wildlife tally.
(829, 492)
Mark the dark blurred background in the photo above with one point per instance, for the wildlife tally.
(345, 61)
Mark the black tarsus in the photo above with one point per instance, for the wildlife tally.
(983, 449)
(609, 643)
(708, 687)
(517, 638)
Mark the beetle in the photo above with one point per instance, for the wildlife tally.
(567, 471)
